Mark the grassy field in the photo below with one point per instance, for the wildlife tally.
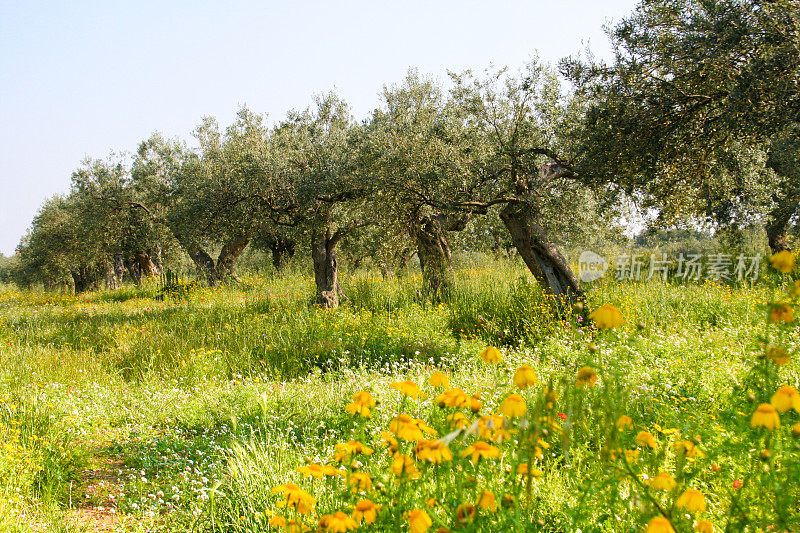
(130, 410)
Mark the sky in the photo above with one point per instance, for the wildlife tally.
(84, 78)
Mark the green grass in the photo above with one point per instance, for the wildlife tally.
(209, 399)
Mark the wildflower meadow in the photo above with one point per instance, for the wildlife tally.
(646, 407)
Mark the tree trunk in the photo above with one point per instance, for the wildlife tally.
(158, 261)
(112, 280)
(434, 255)
(134, 270)
(203, 262)
(779, 218)
(119, 267)
(228, 256)
(282, 249)
(84, 278)
(146, 265)
(326, 268)
(541, 256)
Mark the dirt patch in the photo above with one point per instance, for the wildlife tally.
(94, 504)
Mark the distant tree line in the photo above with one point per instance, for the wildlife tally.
(697, 115)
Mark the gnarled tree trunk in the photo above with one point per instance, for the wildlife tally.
(119, 267)
(145, 262)
(134, 270)
(523, 221)
(434, 254)
(326, 268)
(203, 262)
(780, 217)
(541, 256)
(84, 277)
(227, 257)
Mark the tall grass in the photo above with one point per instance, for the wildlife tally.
(248, 381)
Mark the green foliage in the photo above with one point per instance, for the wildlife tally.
(205, 403)
(502, 315)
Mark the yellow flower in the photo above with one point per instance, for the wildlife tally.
(403, 465)
(418, 521)
(362, 403)
(295, 526)
(345, 450)
(777, 355)
(408, 428)
(624, 422)
(294, 498)
(783, 261)
(458, 420)
(338, 522)
(513, 406)
(491, 355)
(662, 481)
(551, 396)
(360, 481)
(433, 451)
(586, 376)
(409, 388)
(439, 379)
(645, 438)
(487, 501)
(318, 471)
(492, 427)
(480, 450)
(277, 521)
(475, 403)
(524, 377)
(786, 398)
(465, 512)
(607, 317)
(388, 441)
(524, 468)
(704, 527)
(794, 290)
(367, 511)
(691, 500)
(781, 313)
(688, 448)
(631, 455)
(765, 416)
(453, 398)
(659, 524)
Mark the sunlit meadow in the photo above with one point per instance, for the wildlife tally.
(648, 407)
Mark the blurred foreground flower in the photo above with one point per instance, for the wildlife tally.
(691, 500)
(765, 416)
(439, 379)
(362, 403)
(418, 521)
(607, 317)
(513, 406)
(524, 377)
(780, 313)
(491, 355)
(659, 524)
(586, 376)
(409, 388)
(786, 398)
(783, 261)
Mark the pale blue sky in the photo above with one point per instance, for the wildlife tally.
(83, 78)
